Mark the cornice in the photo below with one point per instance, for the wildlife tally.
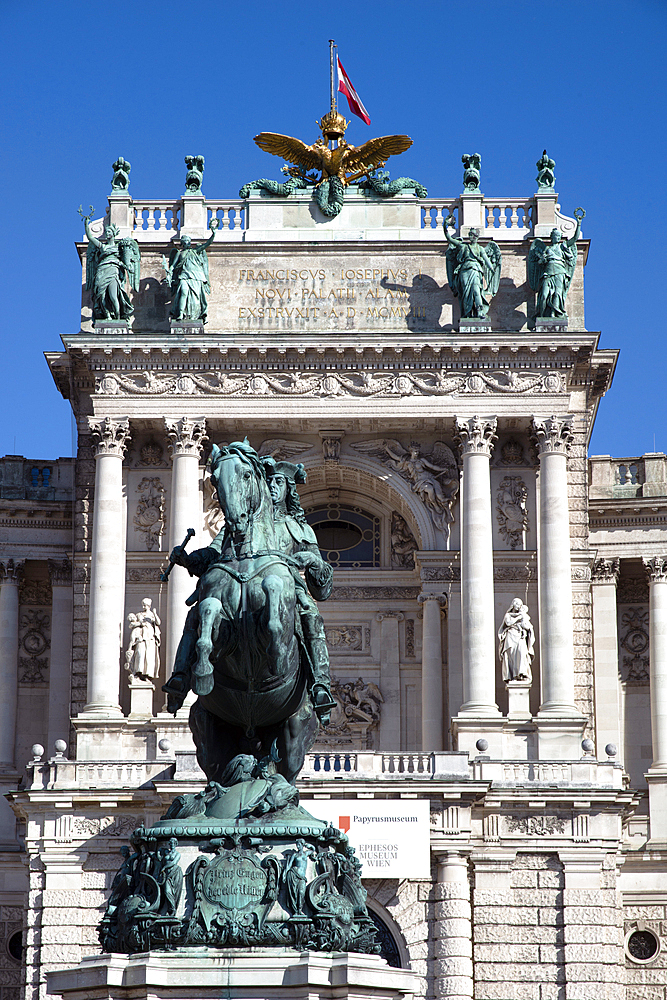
(639, 512)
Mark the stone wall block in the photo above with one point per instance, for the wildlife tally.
(415, 932)
(63, 933)
(61, 898)
(505, 991)
(94, 880)
(451, 947)
(489, 933)
(458, 928)
(549, 917)
(524, 878)
(649, 912)
(450, 908)
(514, 953)
(528, 973)
(455, 966)
(550, 880)
(526, 915)
(61, 954)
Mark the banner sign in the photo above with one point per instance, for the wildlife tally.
(391, 837)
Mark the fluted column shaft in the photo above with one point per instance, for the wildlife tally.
(453, 945)
(60, 663)
(656, 569)
(186, 440)
(432, 688)
(476, 436)
(553, 436)
(107, 574)
(11, 572)
(390, 680)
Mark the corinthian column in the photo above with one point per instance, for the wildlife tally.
(656, 570)
(186, 437)
(107, 572)
(432, 698)
(554, 436)
(476, 436)
(11, 572)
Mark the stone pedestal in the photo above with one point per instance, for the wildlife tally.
(474, 325)
(141, 698)
(550, 324)
(109, 327)
(186, 327)
(260, 974)
(518, 696)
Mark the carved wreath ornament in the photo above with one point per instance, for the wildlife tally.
(327, 383)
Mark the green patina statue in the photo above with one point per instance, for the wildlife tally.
(195, 174)
(379, 183)
(551, 268)
(110, 265)
(120, 182)
(472, 163)
(263, 871)
(187, 274)
(473, 271)
(546, 179)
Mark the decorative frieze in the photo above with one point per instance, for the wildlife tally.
(476, 435)
(409, 638)
(552, 435)
(535, 826)
(633, 638)
(347, 638)
(632, 590)
(449, 574)
(186, 436)
(374, 593)
(110, 436)
(34, 642)
(329, 382)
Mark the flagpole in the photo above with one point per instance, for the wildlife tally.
(331, 74)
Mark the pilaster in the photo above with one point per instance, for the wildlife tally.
(390, 680)
(432, 686)
(60, 663)
(656, 571)
(11, 572)
(604, 577)
(453, 932)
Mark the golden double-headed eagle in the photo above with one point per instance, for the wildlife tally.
(344, 161)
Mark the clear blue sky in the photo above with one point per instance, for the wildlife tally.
(84, 82)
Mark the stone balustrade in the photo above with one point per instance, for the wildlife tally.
(625, 478)
(587, 771)
(158, 220)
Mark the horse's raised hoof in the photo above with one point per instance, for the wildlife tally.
(323, 703)
(203, 685)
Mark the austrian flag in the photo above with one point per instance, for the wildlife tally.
(353, 99)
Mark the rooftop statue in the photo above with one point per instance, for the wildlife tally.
(471, 176)
(335, 167)
(517, 642)
(120, 182)
(551, 268)
(187, 274)
(110, 265)
(472, 270)
(195, 174)
(545, 176)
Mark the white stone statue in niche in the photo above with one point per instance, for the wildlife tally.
(517, 643)
(142, 657)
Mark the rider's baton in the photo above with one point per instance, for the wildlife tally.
(165, 576)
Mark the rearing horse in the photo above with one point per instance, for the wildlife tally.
(248, 671)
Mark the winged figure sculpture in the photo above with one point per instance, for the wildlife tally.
(433, 475)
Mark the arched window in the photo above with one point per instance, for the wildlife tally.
(347, 536)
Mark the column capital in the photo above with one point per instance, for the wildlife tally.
(111, 436)
(60, 571)
(476, 435)
(440, 598)
(552, 435)
(381, 615)
(11, 570)
(656, 569)
(186, 435)
(606, 571)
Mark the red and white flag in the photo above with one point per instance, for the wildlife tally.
(353, 99)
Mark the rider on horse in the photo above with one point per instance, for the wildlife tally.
(293, 535)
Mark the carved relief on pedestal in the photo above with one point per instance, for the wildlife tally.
(512, 510)
(150, 517)
(433, 475)
(347, 638)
